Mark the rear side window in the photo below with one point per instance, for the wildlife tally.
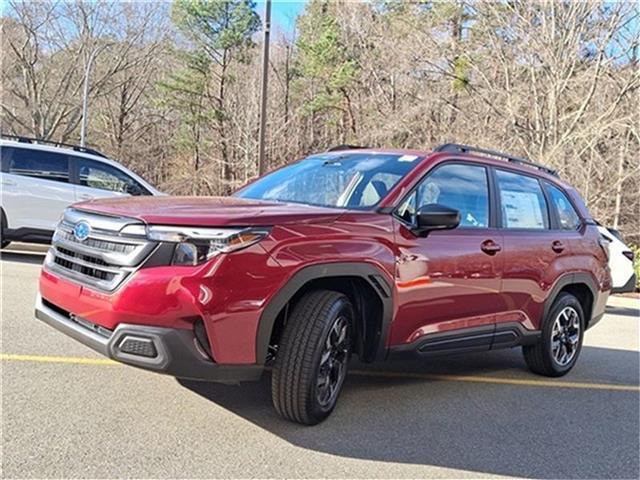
(567, 216)
(105, 177)
(522, 201)
(36, 163)
(460, 186)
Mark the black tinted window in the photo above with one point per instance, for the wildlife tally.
(522, 201)
(463, 187)
(36, 163)
(105, 177)
(569, 219)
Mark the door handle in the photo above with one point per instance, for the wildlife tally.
(490, 247)
(9, 183)
(557, 246)
(86, 196)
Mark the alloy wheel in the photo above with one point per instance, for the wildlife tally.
(565, 336)
(333, 362)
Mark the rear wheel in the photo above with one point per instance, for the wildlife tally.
(312, 359)
(561, 342)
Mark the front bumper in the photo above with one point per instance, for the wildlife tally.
(171, 351)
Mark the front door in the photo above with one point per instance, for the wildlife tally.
(449, 280)
(100, 180)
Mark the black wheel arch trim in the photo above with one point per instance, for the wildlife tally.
(566, 280)
(373, 275)
(4, 219)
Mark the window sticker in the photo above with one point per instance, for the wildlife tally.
(522, 209)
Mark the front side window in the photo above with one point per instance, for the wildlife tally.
(567, 216)
(335, 179)
(105, 177)
(522, 201)
(460, 186)
(37, 164)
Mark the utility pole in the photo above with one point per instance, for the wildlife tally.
(263, 90)
(85, 94)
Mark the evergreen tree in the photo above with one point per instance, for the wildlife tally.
(325, 63)
(218, 32)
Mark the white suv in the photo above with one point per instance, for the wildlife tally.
(38, 181)
(621, 260)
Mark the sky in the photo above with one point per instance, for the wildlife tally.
(283, 13)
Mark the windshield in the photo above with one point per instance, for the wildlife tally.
(337, 179)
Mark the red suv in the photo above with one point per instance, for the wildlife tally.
(354, 251)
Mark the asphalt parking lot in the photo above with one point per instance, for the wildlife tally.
(67, 412)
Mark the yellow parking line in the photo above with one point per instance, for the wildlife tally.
(367, 373)
(499, 380)
(50, 359)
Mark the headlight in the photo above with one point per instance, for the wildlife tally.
(197, 245)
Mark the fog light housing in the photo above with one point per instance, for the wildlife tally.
(139, 346)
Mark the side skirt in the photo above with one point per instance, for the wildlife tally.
(29, 235)
(476, 339)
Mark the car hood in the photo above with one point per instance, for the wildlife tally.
(210, 211)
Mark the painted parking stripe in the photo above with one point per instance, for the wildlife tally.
(366, 373)
(499, 380)
(50, 359)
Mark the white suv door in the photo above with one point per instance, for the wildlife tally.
(96, 179)
(35, 187)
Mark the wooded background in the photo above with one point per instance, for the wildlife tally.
(174, 90)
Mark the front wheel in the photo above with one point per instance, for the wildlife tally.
(560, 344)
(313, 355)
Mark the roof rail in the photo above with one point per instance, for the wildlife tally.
(455, 147)
(338, 148)
(31, 140)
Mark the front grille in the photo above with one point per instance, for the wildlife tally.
(101, 245)
(105, 258)
(94, 272)
(85, 258)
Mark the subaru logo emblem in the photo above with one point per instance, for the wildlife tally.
(81, 231)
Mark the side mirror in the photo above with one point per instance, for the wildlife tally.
(436, 217)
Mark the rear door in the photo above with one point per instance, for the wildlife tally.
(535, 254)
(448, 283)
(95, 179)
(35, 187)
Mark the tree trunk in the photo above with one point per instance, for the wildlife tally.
(622, 153)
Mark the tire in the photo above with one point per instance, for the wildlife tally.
(3, 243)
(560, 344)
(308, 375)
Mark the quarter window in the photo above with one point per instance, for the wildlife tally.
(522, 201)
(37, 164)
(105, 177)
(460, 186)
(569, 219)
